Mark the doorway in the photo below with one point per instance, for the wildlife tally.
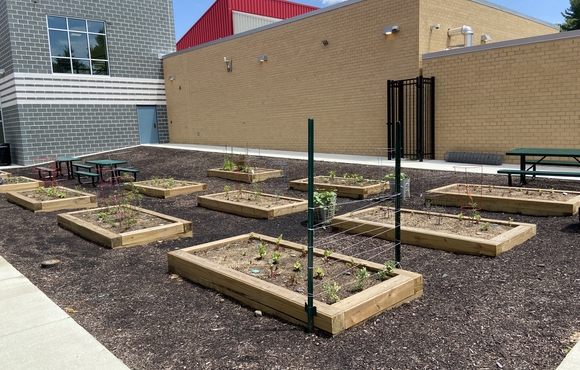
(148, 126)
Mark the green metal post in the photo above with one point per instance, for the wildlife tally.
(310, 309)
(398, 142)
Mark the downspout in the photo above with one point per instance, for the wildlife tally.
(464, 30)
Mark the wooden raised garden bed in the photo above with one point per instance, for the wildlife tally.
(198, 266)
(349, 189)
(246, 203)
(179, 188)
(4, 174)
(258, 174)
(73, 200)
(168, 228)
(527, 201)
(433, 231)
(17, 183)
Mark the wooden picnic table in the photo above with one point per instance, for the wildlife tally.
(528, 166)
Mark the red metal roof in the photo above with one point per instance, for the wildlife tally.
(217, 23)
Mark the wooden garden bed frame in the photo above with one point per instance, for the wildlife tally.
(159, 192)
(32, 184)
(4, 175)
(250, 210)
(177, 228)
(260, 174)
(450, 196)
(79, 200)
(437, 239)
(347, 191)
(287, 304)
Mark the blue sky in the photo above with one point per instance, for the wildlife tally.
(187, 12)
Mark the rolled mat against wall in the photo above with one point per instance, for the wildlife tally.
(475, 158)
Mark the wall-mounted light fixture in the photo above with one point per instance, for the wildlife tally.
(325, 42)
(228, 64)
(172, 78)
(485, 39)
(391, 29)
(435, 27)
(262, 58)
(2, 71)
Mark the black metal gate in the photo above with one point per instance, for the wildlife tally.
(412, 102)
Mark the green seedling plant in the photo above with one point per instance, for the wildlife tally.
(460, 216)
(327, 254)
(276, 257)
(361, 275)
(261, 250)
(388, 271)
(278, 241)
(331, 175)
(485, 226)
(510, 221)
(297, 266)
(319, 272)
(227, 191)
(331, 290)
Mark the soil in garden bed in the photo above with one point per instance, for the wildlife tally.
(514, 192)
(253, 198)
(435, 220)
(291, 269)
(519, 310)
(49, 193)
(121, 219)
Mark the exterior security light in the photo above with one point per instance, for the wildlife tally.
(172, 78)
(391, 29)
(262, 58)
(2, 71)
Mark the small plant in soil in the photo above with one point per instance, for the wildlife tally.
(327, 254)
(485, 226)
(319, 273)
(460, 216)
(278, 240)
(387, 272)
(331, 175)
(15, 180)
(261, 250)
(227, 191)
(361, 275)
(273, 271)
(276, 257)
(331, 290)
(297, 266)
(303, 252)
(228, 164)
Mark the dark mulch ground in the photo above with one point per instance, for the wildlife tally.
(516, 311)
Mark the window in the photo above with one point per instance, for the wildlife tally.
(78, 46)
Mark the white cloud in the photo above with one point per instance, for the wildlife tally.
(331, 2)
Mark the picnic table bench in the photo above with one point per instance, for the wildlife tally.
(529, 166)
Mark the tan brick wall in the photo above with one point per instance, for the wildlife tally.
(342, 85)
(483, 19)
(491, 101)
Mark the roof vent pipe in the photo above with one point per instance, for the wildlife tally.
(464, 30)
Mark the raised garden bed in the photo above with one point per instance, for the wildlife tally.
(17, 183)
(196, 264)
(4, 174)
(438, 231)
(92, 227)
(250, 204)
(52, 199)
(255, 175)
(347, 188)
(165, 188)
(527, 201)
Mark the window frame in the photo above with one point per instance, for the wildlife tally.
(89, 35)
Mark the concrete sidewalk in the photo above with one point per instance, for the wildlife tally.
(37, 334)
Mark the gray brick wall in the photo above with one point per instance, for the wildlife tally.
(74, 130)
(5, 56)
(162, 124)
(137, 31)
